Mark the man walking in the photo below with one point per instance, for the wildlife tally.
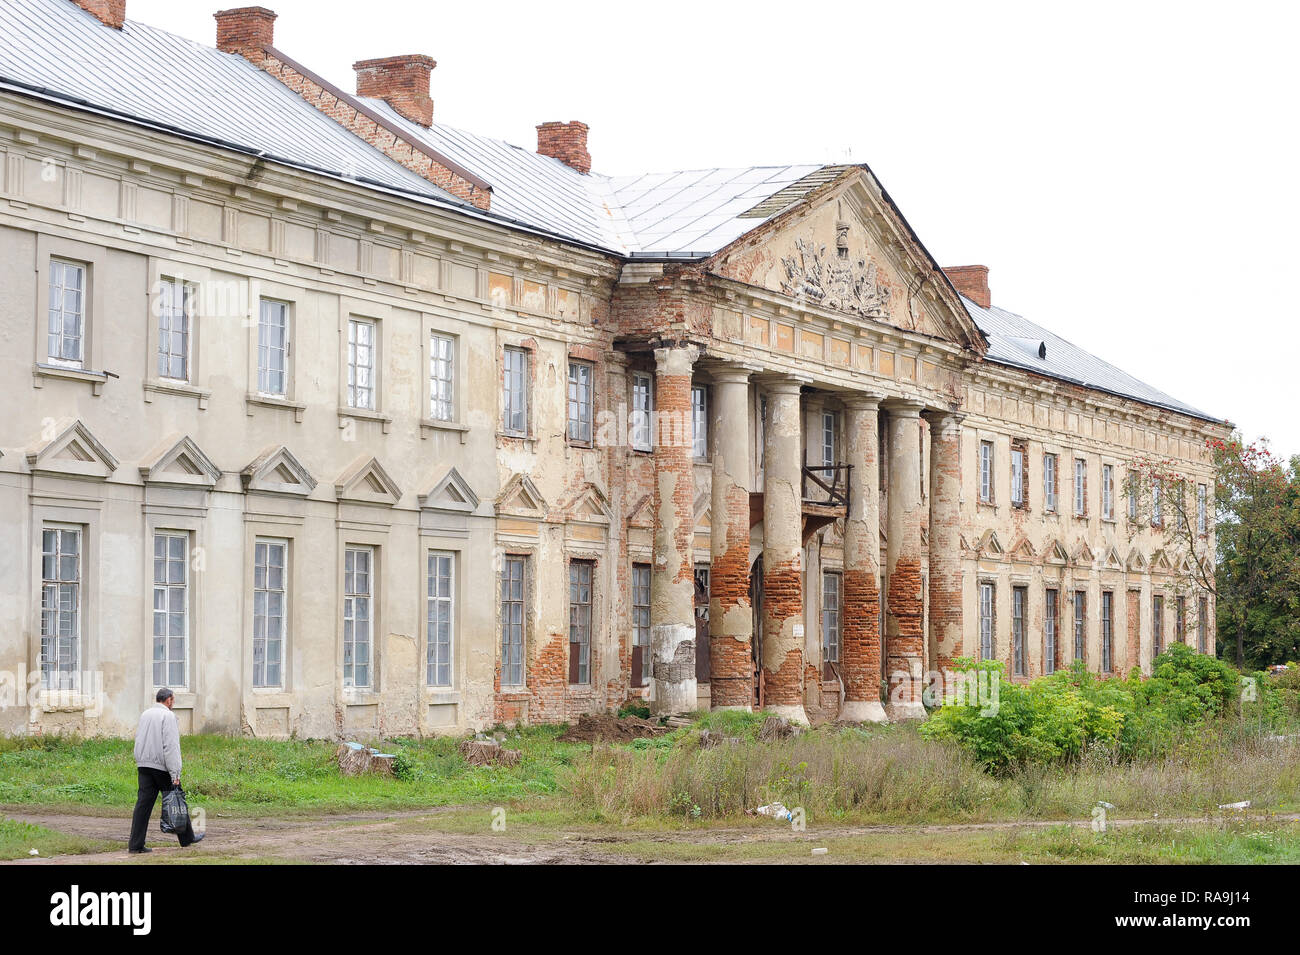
(158, 765)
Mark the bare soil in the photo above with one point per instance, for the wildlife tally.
(608, 728)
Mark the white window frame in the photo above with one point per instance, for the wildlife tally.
(1202, 510)
(641, 617)
(59, 269)
(166, 591)
(265, 349)
(1018, 475)
(1107, 492)
(1080, 487)
(168, 288)
(699, 422)
(1019, 613)
(1132, 496)
(362, 363)
(1157, 502)
(1080, 607)
(1157, 625)
(261, 679)
(832, 603)
(582, 616)
(358, 616)
(440, 609)
(1051, 620)
(1107, 630)
(581, 401)
(511, 667)
(62, 621)
(514, 388)
(988, 598)
(643, 408)
(1049, 482)
(442, 376)
(830, 430)
(986, 472)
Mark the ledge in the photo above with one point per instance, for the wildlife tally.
(365, 414)
(161, 386)
(527, 441)
(428, 425)
(42, 370)
(253, 401)
(442, 697)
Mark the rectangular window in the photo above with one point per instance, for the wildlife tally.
(515, 387)
(439, 619)
(361, 364)
(442, 377)
(986, 472)
(1108, 492)
(986, 621)
(60, 607)
(829, 429)
(1202, 623)
(1107, 632)
(512, 621)
(830, 617)
(699, 421)
(270, 592)
(1157, 505)
(1080, 618)
(1157, 626)
(1050, 611)
(580, 412)
(1080, 487)
(1180, 619)
(273, 348)
(1019, 600)
(1132, 496)
(642, 412)
(1049, 482)
(1202, 510)
(641, 621)
(174, 310)
(1017, 476)
(580, 621)
(171, 609)
(67, 318)
(358, 615)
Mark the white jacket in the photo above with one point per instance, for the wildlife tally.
(158, 741)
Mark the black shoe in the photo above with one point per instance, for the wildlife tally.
(198, 838)
(137, 851)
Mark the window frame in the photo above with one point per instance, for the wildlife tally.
(830, 438)
(1157, 625)
(286, 349)
(1080, 632)
(986, 495)
(435, 359)
(1080, 487)
(1202, 624)
(831, 620)
(283, 543)
(1107, 631)
(576, 402)
(1019, 613)
(1019, 473)
(581, 620)
(509, 395)
(641, 619)
(508, 601)
(1202, 510)
(185, 614)
(55, 675)
(58, 265)
(439, 600)
(188, 311)
(352, 386)
(1051, 627)
(351, 599)
(987, 592)
(1107, 492)
(641, 420)
(700, 422)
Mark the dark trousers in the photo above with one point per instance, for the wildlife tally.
(152, 782)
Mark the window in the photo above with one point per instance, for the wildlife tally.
(1019, 598)
(269, 601)
(641, 621)
(1180, 619)
(642, 412)
(512, 621)
(361, 364)
(829, 428)
(1017, 475)
(1202, 623)
(175, 306)
(1080, 618)
(1132, 496)
(442, 377)
(986, 472)
(357, 615)
(1157, 626)
(439, 619)
(1157, 509)
(1202, 515)
(1050, 612)
(986, 621)
(580, 621)
(60, 607)
(1080, 487)
(699, 422)
(171, 607)
(1049, 482)
(67, 318)
(580, 402)
(515, 385)
(830, 617)
(1107, 492)
(1107, 632)
(273, 348)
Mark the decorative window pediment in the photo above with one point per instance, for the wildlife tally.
(451, 492)
(367, 482)
(521, 497)
(72, 451)
(590, 505)
(1083, 555)
(181, 462)
(1023, 550)
(1112, 559)
(1056, 553)
(1160, 561)
(989, 544)
(642, 513)
(277, 471)
(1136, 561)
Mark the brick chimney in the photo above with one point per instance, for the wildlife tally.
(245, 30)
(972, 281)
(566, 142)
(400, 81)
(109, 12)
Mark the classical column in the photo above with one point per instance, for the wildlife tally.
(945, 529)
(672, 576)
(904, 639)
(783, 621)
(731, 621)
(860, 649)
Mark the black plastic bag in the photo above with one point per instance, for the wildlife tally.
(175, 811)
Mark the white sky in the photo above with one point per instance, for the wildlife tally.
(1126, 170)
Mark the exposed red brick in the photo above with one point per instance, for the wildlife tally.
(860, 652)
(400, 81)
(245, 30)
(782, 601)
(731, 665)
(109, 12)
(566, 142)
(972, 281)
(905, 606)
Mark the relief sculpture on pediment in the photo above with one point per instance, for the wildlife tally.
(836, 281)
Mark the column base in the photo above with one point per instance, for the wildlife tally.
(792, 712)
(733, 709)
(899, 712)
(861, 711)
(673, 685)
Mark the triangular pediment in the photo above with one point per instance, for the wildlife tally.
(989, 544)
(366, 482)
(843, 247)
(703, 511)
(1112, 559)
(180, 462)
(520, 496)
(641, 514)
(1136, 561)
(451, 492)
(72, 450)
(1056, 553)
(1023, 550)
(590, 505)
(277, 471)
(1160, 561)
(1083, 555)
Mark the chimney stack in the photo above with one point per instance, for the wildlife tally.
(400, 81)
(566, 142)
(109, 12)
(245, 30)
(972, 281)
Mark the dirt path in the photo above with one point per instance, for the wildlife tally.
(413, 837)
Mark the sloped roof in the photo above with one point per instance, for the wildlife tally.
(1015, 341)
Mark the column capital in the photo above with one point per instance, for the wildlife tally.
(903, 407)
(943, 421)
(724, 373)
(782, 384)
(676, 359)
(861, 401)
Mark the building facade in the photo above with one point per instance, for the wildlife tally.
(339, 421)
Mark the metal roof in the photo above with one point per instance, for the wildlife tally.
(1015, 341)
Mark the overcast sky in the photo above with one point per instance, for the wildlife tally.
(1126, 170)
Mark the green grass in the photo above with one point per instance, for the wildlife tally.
(17, 839)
